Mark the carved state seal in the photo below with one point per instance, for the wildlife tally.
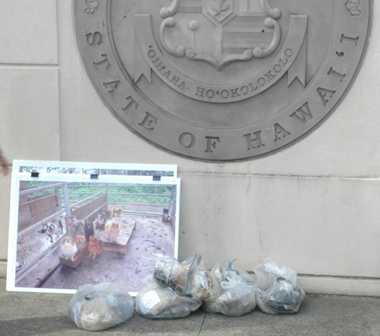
(222, 80)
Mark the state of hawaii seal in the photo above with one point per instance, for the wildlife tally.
(222, 80)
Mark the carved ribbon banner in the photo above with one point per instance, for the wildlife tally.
(290, 59)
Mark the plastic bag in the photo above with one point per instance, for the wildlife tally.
(171, 273)
(279, 291)
(101, 306)
(154, 301)
(189, 278)
(200, 283)
(238, 292)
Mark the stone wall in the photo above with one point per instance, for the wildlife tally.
(313, 206)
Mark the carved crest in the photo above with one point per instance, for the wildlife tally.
(222, 80)
(244, 29)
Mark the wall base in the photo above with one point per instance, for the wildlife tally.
(3, 269)
(314, 284)
(340, 285)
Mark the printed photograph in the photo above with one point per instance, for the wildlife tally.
(75, 233)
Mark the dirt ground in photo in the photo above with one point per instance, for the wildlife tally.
(150, 239)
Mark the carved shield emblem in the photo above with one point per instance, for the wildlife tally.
(252, 33)
(222, 80)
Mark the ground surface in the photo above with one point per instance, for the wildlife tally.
(46, 314)
(151, 237)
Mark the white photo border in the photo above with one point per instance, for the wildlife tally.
(117, 179)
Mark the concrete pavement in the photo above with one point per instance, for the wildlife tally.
(327, 315)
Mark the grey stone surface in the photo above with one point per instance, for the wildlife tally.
(5, 187)
(293, 220)
(30, 33)
(346, 146)
(222, 81)
(46, 314)
(29, 127)
(335, 149)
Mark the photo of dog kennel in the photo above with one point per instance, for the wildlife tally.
(75, 233)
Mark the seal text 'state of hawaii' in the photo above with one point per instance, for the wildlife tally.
(222, 80)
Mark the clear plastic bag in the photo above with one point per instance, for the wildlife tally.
(238, 292)
(189, 278)
(279, 291)
(202, 284)
(169, 272)
(101, 306)
(154, 301)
